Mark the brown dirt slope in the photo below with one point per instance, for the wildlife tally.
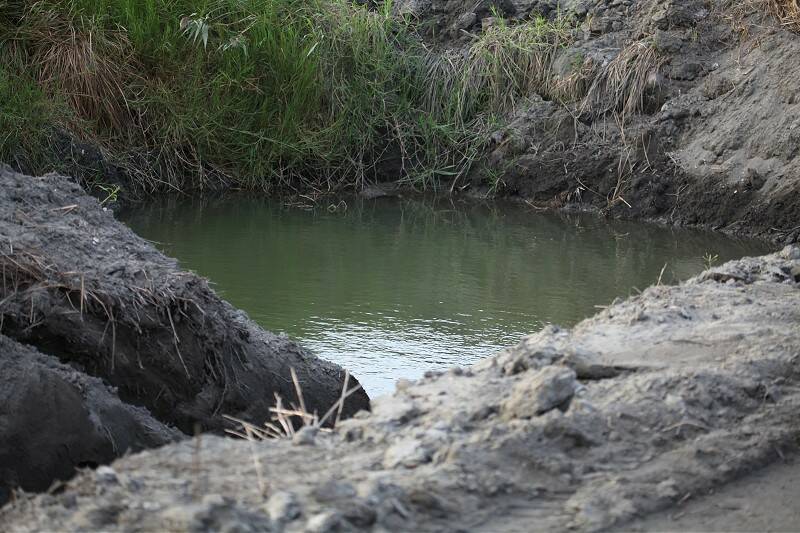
(683, 111)
(667, 395)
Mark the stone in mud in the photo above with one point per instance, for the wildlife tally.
(326, 522)
(216, 513)
(53, 419)
(409, 453)
(283, 507)
(83, 287)
(539, 392)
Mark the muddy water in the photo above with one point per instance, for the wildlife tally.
(390, 288)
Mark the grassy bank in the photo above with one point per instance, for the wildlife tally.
(311, 93)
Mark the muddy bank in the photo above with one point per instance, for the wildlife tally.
(683, 112)
(117, 332)
(54, 419)
(81, 286)
(656, 399)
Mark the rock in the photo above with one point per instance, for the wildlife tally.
(283, 506)
(324, 522)
(667, 42)
(305, 436)
(791, 253)
(359, 514)
(794, 272)
(686, 71)
(216, 513)
(409, 453)
(540, 391)
(586, 367)
(394, 410)
(465, 21)
(518, 359)
(333, 491)
(106, 474)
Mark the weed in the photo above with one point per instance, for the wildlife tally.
(25, 116)
(709, 260)
(111, 191)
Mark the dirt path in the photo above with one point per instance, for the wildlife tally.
(766, 500)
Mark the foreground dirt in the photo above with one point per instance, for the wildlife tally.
(763, 501)
(657, 399)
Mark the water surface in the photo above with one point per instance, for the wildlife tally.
(390, 288)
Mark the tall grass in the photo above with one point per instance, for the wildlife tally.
(265, 93)
(25, 119)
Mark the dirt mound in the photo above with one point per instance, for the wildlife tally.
(54, 419)
(659, 398)
(680, 111)
(79, 285)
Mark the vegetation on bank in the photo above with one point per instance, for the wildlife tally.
(260, 93)
(787, 11)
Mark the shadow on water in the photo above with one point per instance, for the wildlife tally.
(390, 288)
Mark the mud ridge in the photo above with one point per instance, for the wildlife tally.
(83, 289)
(658, 398)
(54, 419)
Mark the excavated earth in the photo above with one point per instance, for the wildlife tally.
(705, 131)
(647, 406)
(129, 328)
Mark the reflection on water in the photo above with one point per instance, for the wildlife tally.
(390, 288)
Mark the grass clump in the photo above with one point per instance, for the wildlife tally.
(620, 86)
(25, 117)
(787, 11)
(266, 93)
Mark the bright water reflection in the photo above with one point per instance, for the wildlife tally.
(390, 288)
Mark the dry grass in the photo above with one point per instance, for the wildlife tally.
(287, 420)
(574, 86)
(745, 15)
(620, 85)
(504, 65)
(787, 11)
(88, 66)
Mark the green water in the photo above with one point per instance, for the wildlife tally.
(390, 288)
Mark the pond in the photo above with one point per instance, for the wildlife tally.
(390, 288)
